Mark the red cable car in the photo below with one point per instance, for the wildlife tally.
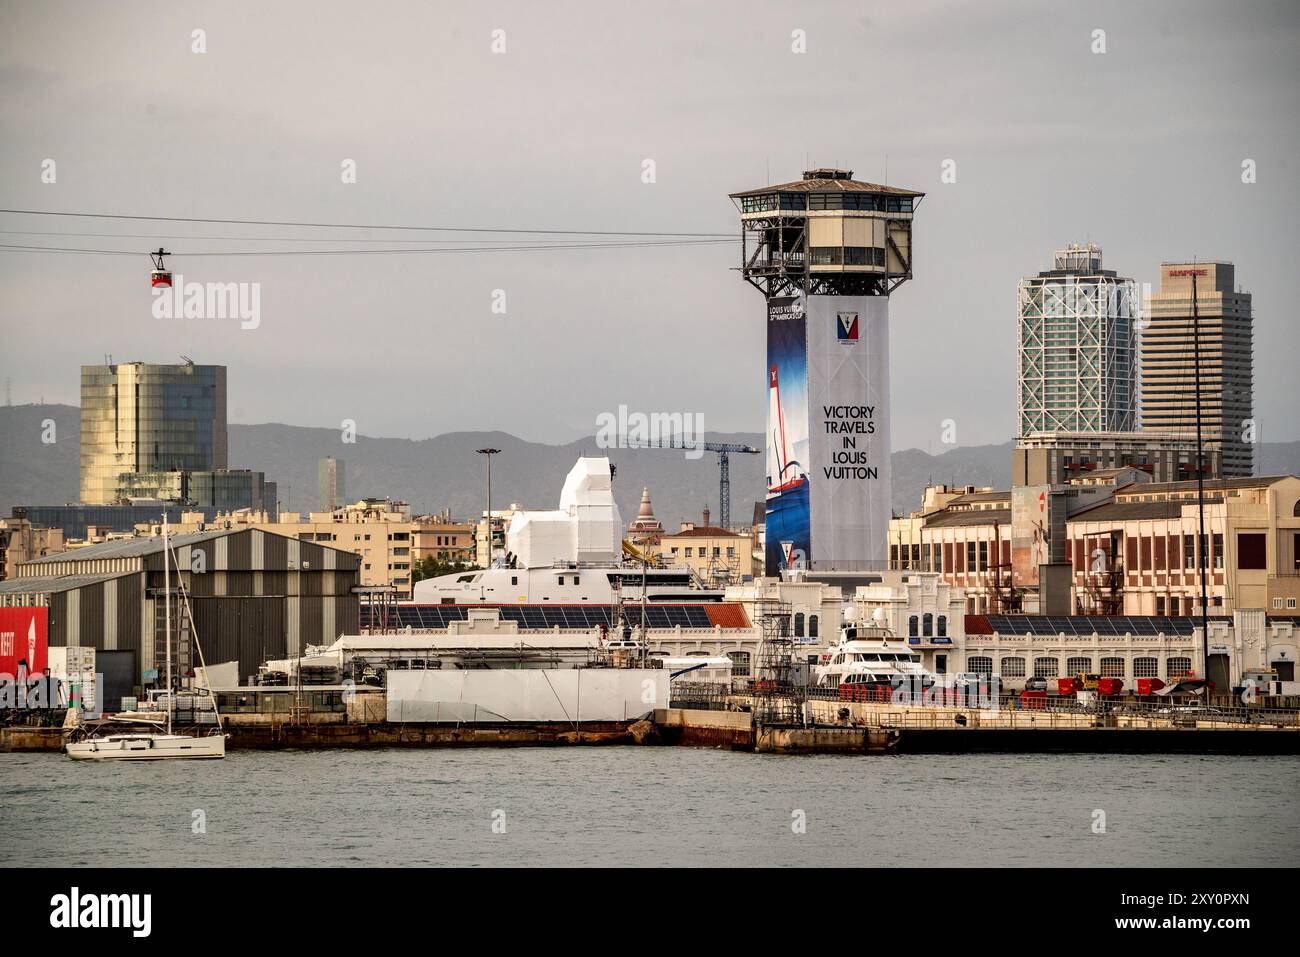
(161, 275)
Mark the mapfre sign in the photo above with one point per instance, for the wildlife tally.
(24, 637)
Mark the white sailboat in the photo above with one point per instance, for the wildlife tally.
(140, 738)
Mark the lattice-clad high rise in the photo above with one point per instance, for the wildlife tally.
(1078, 348)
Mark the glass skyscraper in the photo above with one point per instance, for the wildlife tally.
(138, 418)
(1078, 350)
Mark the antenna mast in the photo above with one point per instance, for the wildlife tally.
(167, 589)
(1200, 491)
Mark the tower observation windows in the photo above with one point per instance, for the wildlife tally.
(846, 256)
(860, 201)
(769, 201)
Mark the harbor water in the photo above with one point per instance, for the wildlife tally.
(620, 806)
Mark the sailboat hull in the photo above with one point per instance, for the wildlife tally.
(147, 747)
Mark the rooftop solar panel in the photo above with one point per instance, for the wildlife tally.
(1086, 625)
(540, 616)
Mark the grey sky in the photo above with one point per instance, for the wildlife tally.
(1139, 150)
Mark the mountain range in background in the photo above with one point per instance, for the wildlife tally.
(444, 471)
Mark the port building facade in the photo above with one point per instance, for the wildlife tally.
(1130, 549)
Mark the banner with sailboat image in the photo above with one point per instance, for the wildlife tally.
(787, 508)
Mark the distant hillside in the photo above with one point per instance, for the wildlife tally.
(444, 472)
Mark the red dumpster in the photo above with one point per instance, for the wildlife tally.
(1033, 700)
(1065, 686)
(1149, 685)
(1108, 686)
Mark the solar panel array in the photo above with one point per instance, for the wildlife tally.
(1092, 624)
(544, 616)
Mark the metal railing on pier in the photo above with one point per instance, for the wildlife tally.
(942, 709)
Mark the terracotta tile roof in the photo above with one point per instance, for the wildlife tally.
(704, 531)
(727, 615)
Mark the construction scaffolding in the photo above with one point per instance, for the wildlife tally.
(778, 695)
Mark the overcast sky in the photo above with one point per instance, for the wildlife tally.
(1139, 149)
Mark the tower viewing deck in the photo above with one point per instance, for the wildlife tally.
(827, 234)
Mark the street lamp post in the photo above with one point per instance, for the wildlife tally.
(488, 453)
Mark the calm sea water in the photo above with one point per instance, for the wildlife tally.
(649, 806)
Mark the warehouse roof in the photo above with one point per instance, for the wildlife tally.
(131, 547)
(1189, 485)
(1134, 511)
(977, 516)
(50, 585)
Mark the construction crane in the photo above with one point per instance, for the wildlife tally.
(724, 450)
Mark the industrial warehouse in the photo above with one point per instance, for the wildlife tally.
(255, 595)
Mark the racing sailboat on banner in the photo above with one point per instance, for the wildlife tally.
(787, 489)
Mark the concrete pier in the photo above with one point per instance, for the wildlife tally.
(832, 727)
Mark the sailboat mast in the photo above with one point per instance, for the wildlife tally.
(167, 617)
(1200, 490)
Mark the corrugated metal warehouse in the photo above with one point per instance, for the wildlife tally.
(256, 595)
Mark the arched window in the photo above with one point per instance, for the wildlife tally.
(1146, 667)
(1112, 667)
(739, 663)
(1013, 667)
(798, 624)
(980, 665)
(927, 624)
(812, 626)
(911, 626)
(1179, 667)
(943, 626)
(1078, 666)
(1046, 667)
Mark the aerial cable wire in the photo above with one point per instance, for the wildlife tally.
(249, 239)
(369, 252)
(440, 229)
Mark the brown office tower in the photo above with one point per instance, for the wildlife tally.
(1169, 373)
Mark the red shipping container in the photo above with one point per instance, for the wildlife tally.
(24, 636)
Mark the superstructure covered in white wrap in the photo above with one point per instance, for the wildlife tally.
(586, 528)
(569, 555)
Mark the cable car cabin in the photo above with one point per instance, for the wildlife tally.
(160, 277)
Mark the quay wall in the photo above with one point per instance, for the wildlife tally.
(706, 729)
